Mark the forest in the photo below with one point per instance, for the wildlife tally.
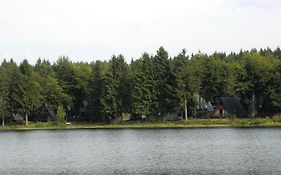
(151, 85)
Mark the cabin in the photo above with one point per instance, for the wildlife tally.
(228, 107)
(204, 108)
(85, 114)
(45, 115)
(16, 118)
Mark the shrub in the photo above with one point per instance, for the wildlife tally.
(277, 118)
(60, 114)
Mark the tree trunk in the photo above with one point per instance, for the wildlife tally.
(3, 121)
(195, 112)
(26, 119)
(253, 105)
(185, 110)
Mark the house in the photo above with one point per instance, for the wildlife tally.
(203, 105)
(16, 118)
(45, 114)
(204, 109)
(85, 114)
(228, 107)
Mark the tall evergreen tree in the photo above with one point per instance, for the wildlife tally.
(14, 79)
(164, 82)
(109, 100)
(4, 91)
(142, 86)
(96, 85)
(120, 73)
(187, 82)
(30, 90)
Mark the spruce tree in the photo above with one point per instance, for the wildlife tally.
(142, 87)
(30, 90)
(96, 91)
(109, 96)
(187, 82)
(164, 82)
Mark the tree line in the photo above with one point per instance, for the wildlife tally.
(152, 85)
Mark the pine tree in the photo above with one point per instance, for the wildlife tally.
(120, 73)
(187, 82)
(109, 100)
(164, 82)
(142, 87)
(96, 91)
(4, 91)
(30, 90)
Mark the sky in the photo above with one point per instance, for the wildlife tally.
(89, 30)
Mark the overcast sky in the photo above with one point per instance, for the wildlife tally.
(87, 30)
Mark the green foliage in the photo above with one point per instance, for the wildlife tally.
(152, 85)
(187, 81)
(277, 118)
(60, 114)
(116, 99)
(109, 99)
(164, 83)
(73, 78)
(142, 91)
(4, 91)
(95, 91)
(53, 94)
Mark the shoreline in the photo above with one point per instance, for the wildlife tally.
(190, 124)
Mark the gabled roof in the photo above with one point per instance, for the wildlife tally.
(17, 117)
(46, 114)
(233, 106)
(209, 107)
(204, 106)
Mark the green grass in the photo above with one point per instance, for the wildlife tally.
(191, 123)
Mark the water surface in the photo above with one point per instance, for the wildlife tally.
(141, 151)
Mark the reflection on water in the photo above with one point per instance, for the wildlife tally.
(143, 151)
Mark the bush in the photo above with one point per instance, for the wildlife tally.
(256, 122)
(277, 118)
(60, 114)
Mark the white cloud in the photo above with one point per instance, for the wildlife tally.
(256, 3)
(7, 55)
(86, 29)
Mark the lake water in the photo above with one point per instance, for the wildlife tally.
(141, 151)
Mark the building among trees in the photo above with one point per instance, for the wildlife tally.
(154, 85)
(228, 107)
(45, 115)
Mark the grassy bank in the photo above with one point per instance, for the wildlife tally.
(191, 123)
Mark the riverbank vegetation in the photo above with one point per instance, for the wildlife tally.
(191, 123)
(152, 85)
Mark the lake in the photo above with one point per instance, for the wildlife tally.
(141, 151)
